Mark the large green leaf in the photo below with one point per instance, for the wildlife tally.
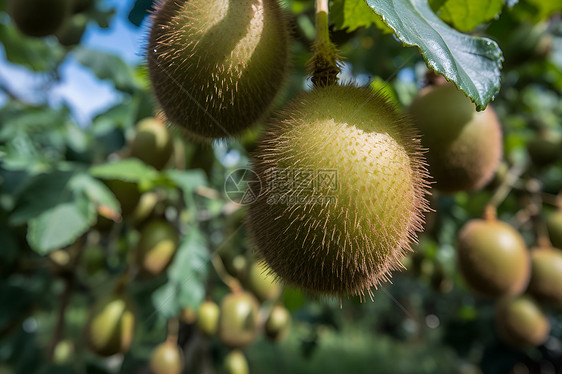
(473, 63)
(465, 15)
(353, 14)
(128, 170)
(98, 193)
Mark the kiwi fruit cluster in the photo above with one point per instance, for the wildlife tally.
(464, 146)
(216, 66)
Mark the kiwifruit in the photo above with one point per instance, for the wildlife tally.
(127, 193)
(110, 326)
(262, 283)
(167, 358)
(464, 146)
(71, 32)
(521, 323)
(208, 317)
(145, 207)
(493, 258)
(39, 17)
(545, 148)
(235, 363)
(217, 65)
(238, 321)
(63, 353)
(546, 275)
(554, 225)
(153, 143)
(343, 185)
(157, 245)
(277, 323)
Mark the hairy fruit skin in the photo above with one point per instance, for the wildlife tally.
(493, 258)
(216, 66)
(546, 275)
(464, 146)
(346, 235)
(39, 18)
(238, 322)
(167, 358)
(521, 323)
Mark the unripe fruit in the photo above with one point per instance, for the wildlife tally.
(554, 225)
(127, 193)
(208, 317)
(217, 65)
(157, 245)
(110, 326)
(167, 358)
(278, 322)
(464, 146)
(343, 191)
(64, 352)
(521, 323)
(262, 283)
(236, 363)
(493, 258)
(153, 143)
(546, 275)
(38, 17)
(71, 32)
(238, 322)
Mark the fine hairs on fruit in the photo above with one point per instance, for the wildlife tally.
(464, 146)
(217, 65)
(343, 181)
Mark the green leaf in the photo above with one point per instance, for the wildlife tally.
(353, 14)
(472, 63)
(127, 170)
(61, 225)
(465, 15)
(98, 193)
(186, 277)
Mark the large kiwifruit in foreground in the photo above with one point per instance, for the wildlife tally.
(39, 17)
(521, 323)
(343, 183)
(464, 146)
(216, 65)
(493, 258)
(546, 275)
(238, 321)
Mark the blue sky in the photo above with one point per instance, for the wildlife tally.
(83, 92)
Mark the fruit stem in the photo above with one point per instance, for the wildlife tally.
(322, 32)
(506, 186)
(226, 278)
(173, 330)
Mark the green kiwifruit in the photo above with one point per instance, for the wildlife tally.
(63, 353)
(262, 283)
(235, 363)
(546, 275)
(167, 358)
(71, 32)
(464, 146)
(554, 225)
(110, 327)
(493, 258)
(343, 185)
(521, 323)
(157, 246)
(127, 193)
(277, 323)
(208, 317)
(39, 17)
(216, 65)
(238, 322)
(153, 143)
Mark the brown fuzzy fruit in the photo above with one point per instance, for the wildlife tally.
(546, 275)
(493, 258)
(216, 65)
(238, 322)
(153, 143)
(554, 225)
(521, 323)
(157, 246)
(465, 146)
(167, 358)
(343, 184)
(277, 323)
(208, 317)
(39, 17)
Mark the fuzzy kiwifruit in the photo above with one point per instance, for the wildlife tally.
(554, 225)
(262, 283)
(464, 146)
(157, 246)
(217, 65)
(238, 321)
(153, 143)
(343, 182)
(493, 258)
(546, 275)
(167, 358)
(110, 327)
(208, 317)
(39, 17)
(521, 323)
(235, 363)
(277, 323)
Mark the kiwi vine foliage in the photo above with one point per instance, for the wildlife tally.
(64, 246)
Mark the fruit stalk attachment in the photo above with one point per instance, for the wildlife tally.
(230, 281)
(325, 64)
